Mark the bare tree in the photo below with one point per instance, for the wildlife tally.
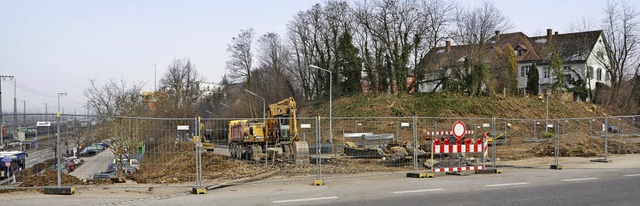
(395, 25)
(241, 62)
(581, 25)
(439, 15)
(621, 28)
(475, 27)
(117, 98)
(181, 89)
(274, 56)
(313, 35)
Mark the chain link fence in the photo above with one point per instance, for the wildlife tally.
(212, 152)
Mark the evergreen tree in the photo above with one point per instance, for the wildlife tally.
(510, 70)
(349, 65)
(558, 74)
(481, 79)
(533, 78)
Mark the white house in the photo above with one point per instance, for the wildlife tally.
(583, 55)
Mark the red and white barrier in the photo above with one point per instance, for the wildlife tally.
(445, 133)
(459, 148)
(458, 169)
(469, 146)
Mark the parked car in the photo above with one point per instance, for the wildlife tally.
(126, 167)
(103, 175)
(70, 164)
(131, 162)
(62, 167)
(76, 160)
(98, 147)
(90, 151)
(103, 144)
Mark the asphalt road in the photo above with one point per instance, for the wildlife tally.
(581, 183)
(587, 186)
(94, 164)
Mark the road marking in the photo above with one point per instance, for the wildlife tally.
(417, 191)
(579, 179)
(306, 199)
(632, 175)
(508, 184)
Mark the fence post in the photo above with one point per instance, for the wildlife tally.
(318, 181)
(415, 143)
(606, 139)
(493, 142)
(556, 165)
(198, 149)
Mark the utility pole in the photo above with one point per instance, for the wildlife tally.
(2, 77)
(24, 112)
(15, 108)
(46, 116)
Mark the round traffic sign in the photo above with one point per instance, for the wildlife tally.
(7, 164)
(459, 130)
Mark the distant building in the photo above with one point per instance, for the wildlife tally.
(583, 54)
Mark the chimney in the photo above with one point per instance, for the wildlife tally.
(555, 33)
(448, 46)
(497, 36)
(549, 32)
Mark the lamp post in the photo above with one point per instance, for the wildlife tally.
(58, 140)
(546, 123)
(264, 118)
(330, 101)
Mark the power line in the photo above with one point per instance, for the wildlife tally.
(29, 90)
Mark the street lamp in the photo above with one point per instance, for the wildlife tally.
(58, 139)
(546, 125)
(263, 104)
(330, 101)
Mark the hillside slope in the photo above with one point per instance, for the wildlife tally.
(451, 105)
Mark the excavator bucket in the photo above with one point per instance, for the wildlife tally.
(301, 152)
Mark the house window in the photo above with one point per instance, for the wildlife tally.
(566, 68)
(589, 72)
(600, 55)
(599, 74)
(518, 52)
(524, 70)
(547, 72)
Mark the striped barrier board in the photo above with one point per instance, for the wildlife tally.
(445, 133)
(457, 169)
(457, 148)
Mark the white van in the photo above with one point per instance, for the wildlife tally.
(131, 162)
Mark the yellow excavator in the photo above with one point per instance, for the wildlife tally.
(282, 124)
(248, 138)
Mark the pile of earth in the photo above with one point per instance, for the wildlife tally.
(181, 168)
(584, 146)
(49, 178)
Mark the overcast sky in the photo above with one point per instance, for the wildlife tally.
(58, 46)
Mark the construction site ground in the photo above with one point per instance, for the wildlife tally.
(179, 167)
(116, 196)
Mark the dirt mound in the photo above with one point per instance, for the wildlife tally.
(49, 178)
(583, 146)
(181, 168)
